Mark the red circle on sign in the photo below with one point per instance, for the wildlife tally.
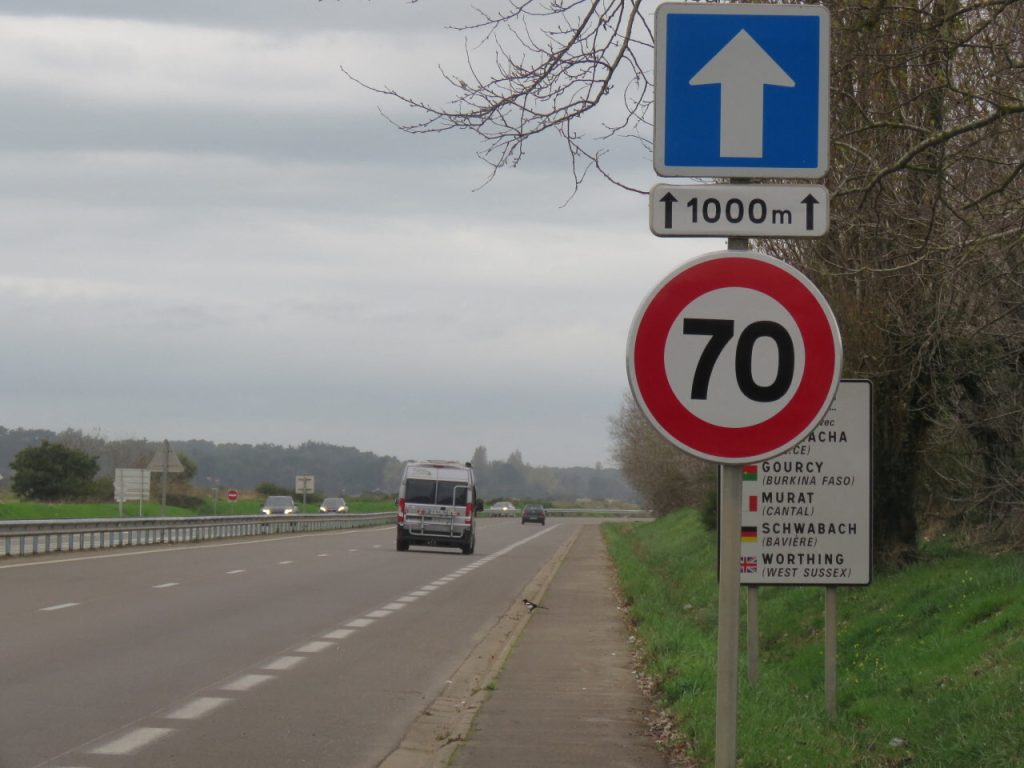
(782, 283)
(232, 495)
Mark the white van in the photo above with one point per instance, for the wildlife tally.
(437, 505)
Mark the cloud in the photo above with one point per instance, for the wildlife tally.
(209, 232)
(116, 62)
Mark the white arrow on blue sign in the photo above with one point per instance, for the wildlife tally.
(741, 90)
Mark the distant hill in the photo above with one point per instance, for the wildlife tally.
(337, 469)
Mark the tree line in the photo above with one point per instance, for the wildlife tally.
(75, 465)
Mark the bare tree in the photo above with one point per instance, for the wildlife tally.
(546, 66)
(923, 262)
(664, 476)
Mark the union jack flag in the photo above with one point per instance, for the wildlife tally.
(748, 565)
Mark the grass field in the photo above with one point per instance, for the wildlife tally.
(23, 510)
(931, 659)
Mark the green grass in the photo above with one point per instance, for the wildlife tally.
(931, 659)
(26, 510)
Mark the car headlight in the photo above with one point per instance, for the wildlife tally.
(265, 511)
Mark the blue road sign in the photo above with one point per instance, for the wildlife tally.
(741, 90)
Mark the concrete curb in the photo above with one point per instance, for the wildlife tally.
(437, 733)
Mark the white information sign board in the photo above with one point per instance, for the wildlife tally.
(734, 210)
(806, 514)
(304, 483)
(131, 484)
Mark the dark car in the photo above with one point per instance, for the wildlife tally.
(279, 505)
(334, 504)
(534, 513)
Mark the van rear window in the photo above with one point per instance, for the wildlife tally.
(446, 492)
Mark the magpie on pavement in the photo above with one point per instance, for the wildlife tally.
(531, 606)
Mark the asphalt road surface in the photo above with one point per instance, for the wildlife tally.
(305, 650)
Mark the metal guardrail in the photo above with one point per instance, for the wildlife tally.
(38, 537)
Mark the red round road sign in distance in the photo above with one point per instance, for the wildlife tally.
(232, 495)
(734, 357)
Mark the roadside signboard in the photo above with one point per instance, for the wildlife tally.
(131, 484)
(734, 357)
(232, 495)
(166, 460)
(741, 90)
(806, 514)
(739, 210)
(304, 484)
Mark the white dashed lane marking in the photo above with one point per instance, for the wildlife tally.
(283, 663)
(359, 623)
(236, 572)
(165, 586)
(132, 741)
(197, 708)
(339, 634)
(246, 682)
(378, 614)
(315, 646)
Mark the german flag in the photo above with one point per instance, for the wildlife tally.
(749, 533)
(750, 472)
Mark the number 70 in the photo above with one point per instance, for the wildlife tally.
(720, 332)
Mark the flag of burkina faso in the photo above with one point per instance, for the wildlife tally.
(749, 472)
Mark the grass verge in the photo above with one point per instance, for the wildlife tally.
(931, 659)
(28, 510)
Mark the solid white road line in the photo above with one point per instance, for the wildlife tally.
(60, 607)
(132, 741)
(247, 541)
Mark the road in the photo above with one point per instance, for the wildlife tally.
(303, 650)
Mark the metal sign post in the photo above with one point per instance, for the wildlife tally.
(736, 355)
(727, 691)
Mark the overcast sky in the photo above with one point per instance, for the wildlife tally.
(207, 231)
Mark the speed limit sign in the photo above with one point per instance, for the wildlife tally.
(734, 357)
